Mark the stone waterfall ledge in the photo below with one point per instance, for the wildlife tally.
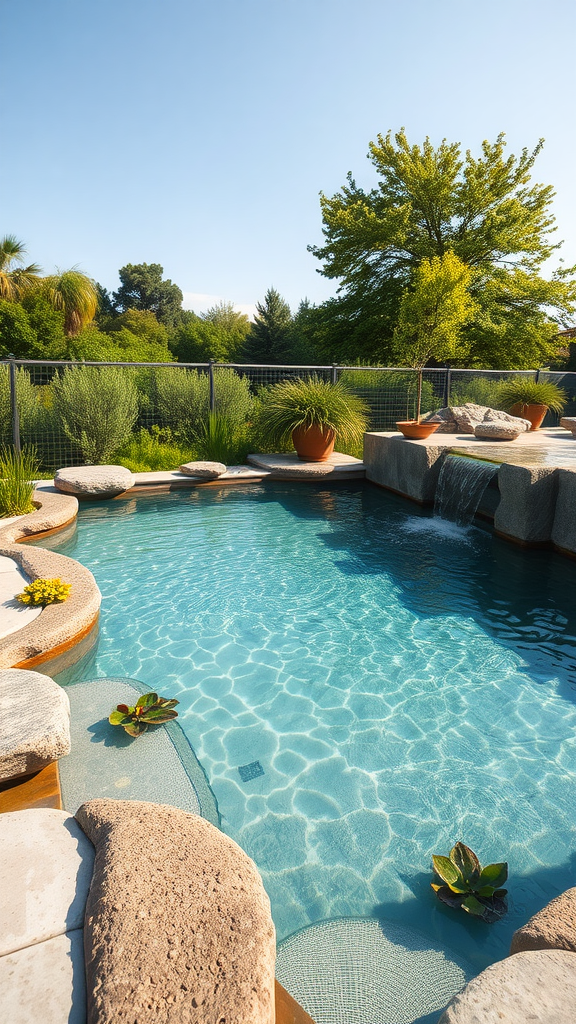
(527, 503)
(178, 925)
(537, 489)
(564, 526)
(59, 625)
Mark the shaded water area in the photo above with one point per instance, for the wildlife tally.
(461, 484)
(402, 683)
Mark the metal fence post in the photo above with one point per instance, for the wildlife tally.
(211, 378)
(447, 387)
(334, 373)
(14, 404)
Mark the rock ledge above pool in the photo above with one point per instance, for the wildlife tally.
(94, 481)
(203, 470)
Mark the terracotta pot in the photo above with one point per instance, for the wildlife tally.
(313, 444)
(416, 431)
(534, 413)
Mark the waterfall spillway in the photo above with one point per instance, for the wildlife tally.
(461, 484)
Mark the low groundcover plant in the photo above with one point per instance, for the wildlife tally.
(44, 591)
(469, 886)
(150, 709)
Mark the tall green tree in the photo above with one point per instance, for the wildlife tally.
(269, 337)
(429, 201)
(143, 287)
(15, 278)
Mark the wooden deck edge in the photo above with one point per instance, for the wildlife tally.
(288, 1011)
(41, 789)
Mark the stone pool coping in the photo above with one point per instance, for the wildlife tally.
(60, 626)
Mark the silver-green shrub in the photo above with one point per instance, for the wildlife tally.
(33, 415)
(96, 409)
(183, 398)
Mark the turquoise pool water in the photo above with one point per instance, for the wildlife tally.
(403, 684)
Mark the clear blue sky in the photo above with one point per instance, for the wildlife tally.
(198, 133)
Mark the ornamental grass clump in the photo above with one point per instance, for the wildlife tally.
(150, 709)
(45, 591)
(523, 391)
(17, 473)
(470, 887)
(308, 402)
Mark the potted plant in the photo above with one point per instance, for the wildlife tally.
(531, 399)
(433, 311)
(312, 413)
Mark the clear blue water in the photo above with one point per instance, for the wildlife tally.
(403, 682)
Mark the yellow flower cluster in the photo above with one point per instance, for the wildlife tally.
(43, 592)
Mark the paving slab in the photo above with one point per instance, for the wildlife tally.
(290, 467)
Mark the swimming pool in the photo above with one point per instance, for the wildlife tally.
(402, 684)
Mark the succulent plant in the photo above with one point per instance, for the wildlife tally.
(469, 886)
(150, 709)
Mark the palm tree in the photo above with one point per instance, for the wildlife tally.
(15, 279)
(75, 294)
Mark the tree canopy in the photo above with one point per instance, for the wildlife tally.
(270, 334)
(430, 201)
(143, 287)
(15, 278)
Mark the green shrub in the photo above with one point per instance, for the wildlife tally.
(96, 409)
(390, 395)
(479, 390)
(33, 415)
(154, 450)
(183, 398)
(17, 473)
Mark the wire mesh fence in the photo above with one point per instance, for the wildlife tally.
(73, 412)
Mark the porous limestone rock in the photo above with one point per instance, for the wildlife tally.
(178, 925)
(464, 418)
(35, 716)
(46, 865)
(497, 431)
(94, 481)
(537, 986)
(553, 927)
(203, 470)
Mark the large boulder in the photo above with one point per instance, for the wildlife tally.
(178, 926)
(553, 927)
(203, 470)
(94, 481)
(569, 423)
(35, 716)
(464, 419)
(537, 986)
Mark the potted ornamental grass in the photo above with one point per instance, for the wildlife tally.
(531, 399)
(312, 413)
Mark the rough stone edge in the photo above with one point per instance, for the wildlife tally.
(59, 624)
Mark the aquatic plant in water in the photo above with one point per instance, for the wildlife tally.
(469, 886)
(45, 591)
(150, 709)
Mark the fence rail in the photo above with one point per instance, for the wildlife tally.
(166, 393)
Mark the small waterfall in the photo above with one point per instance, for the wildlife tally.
(461, 484)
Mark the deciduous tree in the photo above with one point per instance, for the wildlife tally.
(429, 201)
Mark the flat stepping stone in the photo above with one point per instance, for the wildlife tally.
(159, 766)
(569, 422)
(358, 970)
(94, 481)
(45, 982)
(35, 716)
(290, 467)
(537, 986)
(46, 865)
(203, 470)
